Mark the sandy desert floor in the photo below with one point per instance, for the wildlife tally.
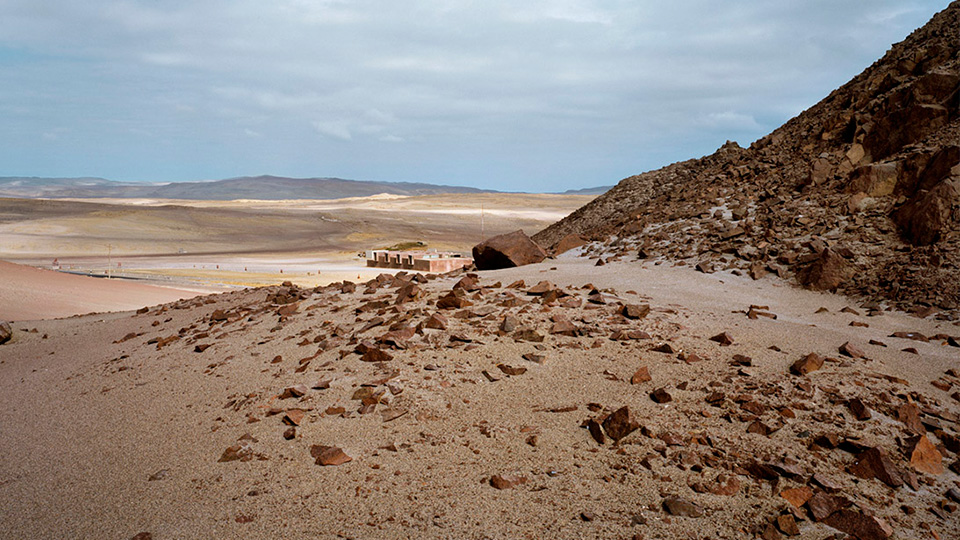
(115, 424)
(253, 243)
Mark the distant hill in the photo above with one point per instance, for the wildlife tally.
(247, 187)
(598, 190)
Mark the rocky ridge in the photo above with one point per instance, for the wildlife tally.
(865, 183)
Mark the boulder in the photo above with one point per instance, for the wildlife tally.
(828, 272)
(507, 251)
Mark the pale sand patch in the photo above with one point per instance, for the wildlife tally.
(28, 293)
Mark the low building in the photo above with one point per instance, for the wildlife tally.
(434, 262)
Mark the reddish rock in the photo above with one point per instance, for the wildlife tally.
(924, 457)
(858, 409)
(620, 424)
(509, 324)
(436, 321)
(507, 251)
(142, 536)
(294, 417)
(509, 370)
(852, 350)
(723, 338)
(329, 455)
(564, 328)
(294, 391)
(376, 355)
(827, 273)
(290, 433)
(642, 375)
(909, 415)
(823, 506)
(507, 481)
(660, 395)
(635, 311)
(807, 364)
(452, 300)
(797, 496)
(676, 506)
(788, 525)
(596, 431)
(862, 526)
(875, 463)
(726, 485)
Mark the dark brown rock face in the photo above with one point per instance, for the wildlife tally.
(926, 218)
(827, 273)
(507, 251)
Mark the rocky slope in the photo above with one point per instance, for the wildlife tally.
(521, 403)
(860, 193)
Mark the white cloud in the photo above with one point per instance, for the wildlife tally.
(334, 128)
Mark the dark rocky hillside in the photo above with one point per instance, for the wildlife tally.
(860, 193)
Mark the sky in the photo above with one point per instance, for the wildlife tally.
(539, 95)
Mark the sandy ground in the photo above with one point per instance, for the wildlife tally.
(88, 417)
(253, 243)
(28, 293)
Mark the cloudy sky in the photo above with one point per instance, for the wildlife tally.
(534, 95)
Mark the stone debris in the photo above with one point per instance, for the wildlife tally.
(329, 455)
(507, 481)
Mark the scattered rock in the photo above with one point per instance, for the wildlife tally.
(723, 338)
(924, 457)
(620, 424)
(642, 375)
(507, 481)
(6, 332)
(809, 363)
(660, 395)
(676, 506)
(862, 526)
(329, 455)
(852, 350)
(635, 311)
(875, 463)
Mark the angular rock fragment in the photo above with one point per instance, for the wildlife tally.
(635, 311)
(858, 409)
(329, 455)
(620, 424)
(510, 370)
(660, 395)
(723, 338)
(507, 481)
(807, 364)
(642, 375)
(851, 350)
(924, 457)
(862, 526)
(875, 463)
(676, 506)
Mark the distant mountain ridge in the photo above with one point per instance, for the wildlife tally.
(263, 187)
